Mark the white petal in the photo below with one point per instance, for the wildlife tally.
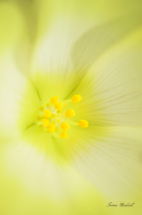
(13, 98)
(111, 160)
(45, 183)
(52, 70)
(112, 90)
(112, 93)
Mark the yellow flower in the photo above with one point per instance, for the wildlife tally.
(79, 107)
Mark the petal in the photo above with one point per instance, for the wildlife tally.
(90, 9)
(11, 26)
(36, 15)
(98, 39)
(49, 188)
(13, 98)
(52, 69)
(112, 91)
(110, 157)
(109, 151)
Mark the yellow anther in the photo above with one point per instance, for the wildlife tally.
(76, 98)
(45, 122)
(64, 134)
(70, 113)
(54, 100)
(53, 120)
(51, 127)
(47, 113)
(83, 123)
(65, 126)
(58, 106)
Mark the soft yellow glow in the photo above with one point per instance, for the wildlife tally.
(76, 98)
(51, 127)
(65, 126)
(54, 100)
(64, 134)
(83, 123)
(70, 113)
(47, 113)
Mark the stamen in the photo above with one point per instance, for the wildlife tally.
(64, 134)
(51, 116)
(83, 123)
(51, 127)
(54, 100)
(76, 98)
(70, 113)
(58, 106)
(45, 122)
(65, 126)
(47, 113)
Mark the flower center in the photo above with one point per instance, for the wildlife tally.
(55, 118)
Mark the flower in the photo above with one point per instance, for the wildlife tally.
(79, 105)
